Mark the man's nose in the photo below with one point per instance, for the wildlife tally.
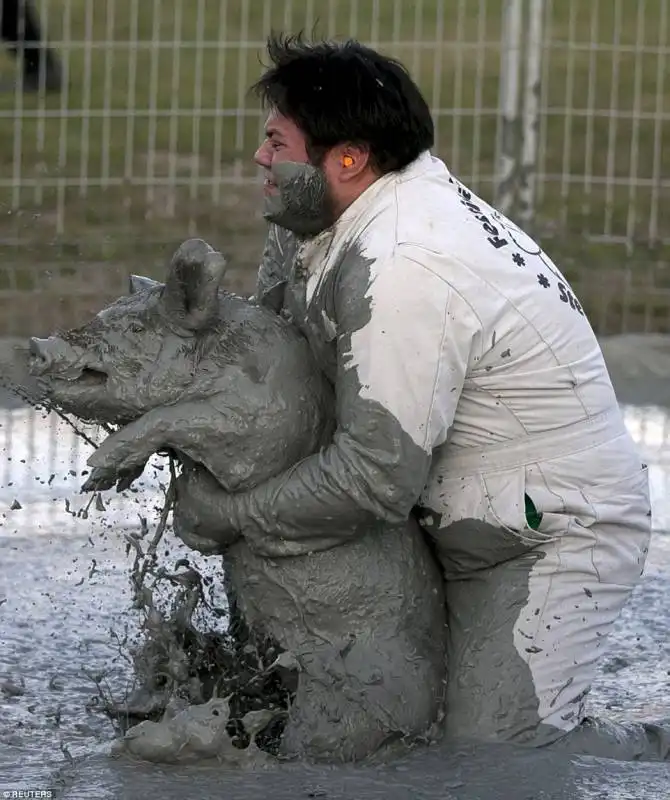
(262, 157)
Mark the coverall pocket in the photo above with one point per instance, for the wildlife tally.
(510, 507)
(606, 526)
(631, 493)
(496, 498)
(621, 530)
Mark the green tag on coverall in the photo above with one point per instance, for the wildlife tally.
(533, 516)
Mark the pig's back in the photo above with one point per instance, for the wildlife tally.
(263, 339)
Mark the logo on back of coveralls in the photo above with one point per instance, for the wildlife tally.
(518, 237)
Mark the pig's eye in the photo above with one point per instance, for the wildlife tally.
(136, 327)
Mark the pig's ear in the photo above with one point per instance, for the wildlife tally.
(191, 290)
(137, 283)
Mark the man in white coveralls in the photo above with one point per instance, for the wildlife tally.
(471, 390)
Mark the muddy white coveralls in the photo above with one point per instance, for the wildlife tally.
(470, 388)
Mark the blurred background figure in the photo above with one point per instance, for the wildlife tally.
(20, 29)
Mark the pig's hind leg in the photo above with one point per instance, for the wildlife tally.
(123, 455)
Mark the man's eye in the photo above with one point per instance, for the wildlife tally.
(135, 327)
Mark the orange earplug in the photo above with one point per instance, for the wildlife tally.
(347, 161)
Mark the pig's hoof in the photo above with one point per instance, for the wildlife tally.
(103, 478)
(100, 479)
(127, 477)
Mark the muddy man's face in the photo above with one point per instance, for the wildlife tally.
(297, 194)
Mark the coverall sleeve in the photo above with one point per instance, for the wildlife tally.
(404, 340)
(274, 267)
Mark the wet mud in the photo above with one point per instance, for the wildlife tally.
(68, 606)
(464, 772)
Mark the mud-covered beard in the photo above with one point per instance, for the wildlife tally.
(302, 202)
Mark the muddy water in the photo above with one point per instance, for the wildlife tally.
(64, 603)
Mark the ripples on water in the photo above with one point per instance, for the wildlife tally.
(64, 587)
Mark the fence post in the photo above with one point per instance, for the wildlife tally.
(531, 112)
(507, 145)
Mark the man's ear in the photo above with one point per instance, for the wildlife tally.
(351, 161)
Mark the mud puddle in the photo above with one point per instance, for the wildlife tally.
(64, 613)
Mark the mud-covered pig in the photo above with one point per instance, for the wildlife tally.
(188, 367)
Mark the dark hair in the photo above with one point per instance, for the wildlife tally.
(346, 92)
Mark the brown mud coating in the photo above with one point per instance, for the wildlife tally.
(328, 656)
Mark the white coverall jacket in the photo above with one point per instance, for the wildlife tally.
(470, 387)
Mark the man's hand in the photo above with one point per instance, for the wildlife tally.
(203, 514)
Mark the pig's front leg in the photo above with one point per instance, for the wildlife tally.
(121, 458)
(103, 478)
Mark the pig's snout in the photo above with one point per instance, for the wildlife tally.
(52, 354)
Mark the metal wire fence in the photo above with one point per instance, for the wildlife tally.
(556, 109)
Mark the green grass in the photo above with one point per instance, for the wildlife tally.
(77, 187)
